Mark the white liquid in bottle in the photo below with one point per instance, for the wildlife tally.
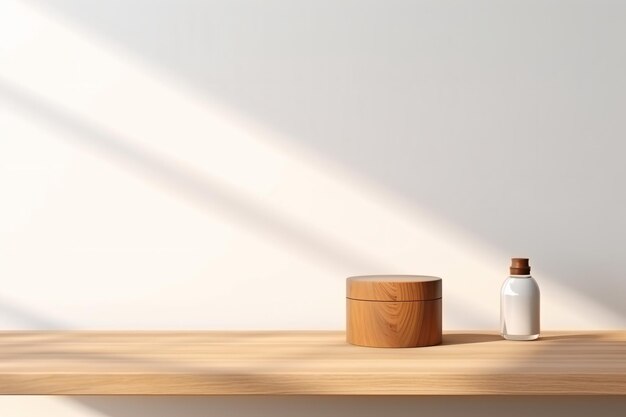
(519, 303)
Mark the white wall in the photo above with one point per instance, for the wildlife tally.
(517, 406)
(226, 164)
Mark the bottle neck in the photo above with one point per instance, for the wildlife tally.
(521, 276)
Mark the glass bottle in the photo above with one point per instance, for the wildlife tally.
(519, 303)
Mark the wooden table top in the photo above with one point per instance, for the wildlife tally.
(306, 363)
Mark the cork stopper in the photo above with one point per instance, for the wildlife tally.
(520, 266)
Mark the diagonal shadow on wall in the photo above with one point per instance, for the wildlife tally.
(195, 187)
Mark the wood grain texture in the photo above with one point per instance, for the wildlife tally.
(393, 324)
(393, 287)
(320, 363)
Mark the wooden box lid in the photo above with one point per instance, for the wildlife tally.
(393, 288)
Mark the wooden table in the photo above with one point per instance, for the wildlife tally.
(316, 363)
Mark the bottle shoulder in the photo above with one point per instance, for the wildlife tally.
(520, 285)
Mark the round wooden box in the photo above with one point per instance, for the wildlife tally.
(393, 311)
